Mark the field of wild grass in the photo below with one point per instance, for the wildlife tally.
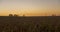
(30, 24)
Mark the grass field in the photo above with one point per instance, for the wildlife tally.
(30, 24)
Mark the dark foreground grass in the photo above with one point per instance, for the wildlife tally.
(30, 24)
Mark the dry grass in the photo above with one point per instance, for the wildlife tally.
(30, 24)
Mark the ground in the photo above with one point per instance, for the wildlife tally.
(30, 24)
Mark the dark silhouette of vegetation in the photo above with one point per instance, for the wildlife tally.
(15, 15)
(23, 15)
(10, 15)
(53, 15)
(30, 24)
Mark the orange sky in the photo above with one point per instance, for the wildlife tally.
(30, 7)
(30, 12)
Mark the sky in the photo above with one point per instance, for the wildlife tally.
(30, 7)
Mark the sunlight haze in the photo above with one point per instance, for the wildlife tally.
(29, 7)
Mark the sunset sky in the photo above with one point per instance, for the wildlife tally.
(30, 7)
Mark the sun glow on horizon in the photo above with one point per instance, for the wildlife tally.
(29, 13)
(30, 7)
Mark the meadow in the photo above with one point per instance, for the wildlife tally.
(30, 24)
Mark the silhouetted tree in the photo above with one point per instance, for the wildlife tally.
(10, 15)
(15, 15)
(23, 15)
(53, 15)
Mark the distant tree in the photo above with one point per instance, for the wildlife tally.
(53, 15)
(10, 15)
(23, 15)
(15, 15)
